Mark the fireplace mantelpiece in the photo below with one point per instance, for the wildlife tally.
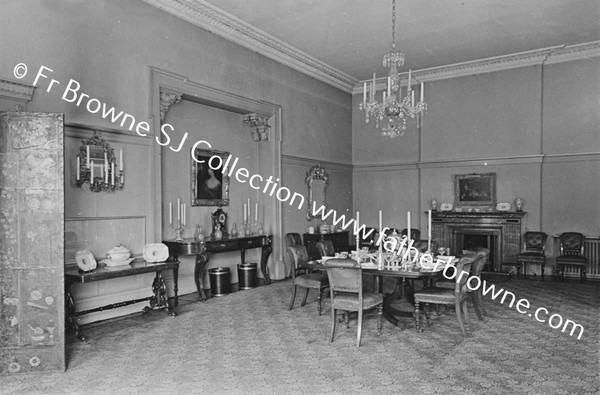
(448, 229)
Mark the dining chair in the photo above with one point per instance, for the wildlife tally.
(325, 248)
(306, 280)
(456, 296)
(476, 296)
(534, 253)
(291, 239)
(571, 254)
(346, 289)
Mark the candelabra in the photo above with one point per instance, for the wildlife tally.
(178, 227)
(97, 166)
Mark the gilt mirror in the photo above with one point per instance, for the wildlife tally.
(316, 180)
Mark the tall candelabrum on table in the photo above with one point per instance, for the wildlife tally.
(179, 225)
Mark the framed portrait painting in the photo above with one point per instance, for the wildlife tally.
(209, 187)
(475, 189)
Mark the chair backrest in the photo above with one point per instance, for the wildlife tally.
(415, 234)
(480, 256)
(390, 231)
(368, 241)
(293, 239)
(463, 264)
(325, 248)
(299, 257)
(535, 241)
(345, 275)
(571, 243)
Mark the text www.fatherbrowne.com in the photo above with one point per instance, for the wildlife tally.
(555, 321)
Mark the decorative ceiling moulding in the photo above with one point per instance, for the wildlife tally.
(167, 99)
(211, 18)
(549, 55)
(16, 90)
(497, 161)
(308, 162)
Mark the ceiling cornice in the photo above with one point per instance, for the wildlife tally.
(217, 21)
(551, 55)
(221, 23)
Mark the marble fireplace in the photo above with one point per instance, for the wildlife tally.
(500, 232)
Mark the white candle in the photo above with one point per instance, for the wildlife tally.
(245, 212)
(373, 87)
(78, 165)
(249, 211)
(183, 214)
(357, 233)
(422, 92)
(380, 222)
(87, 147)
(121, 159)
(429, 230)
(408, 225)
(409, 72)
(92, 172)
(364, 93)
(256, 213)
(178, 209)
(106, 171)
(112, 173)
(412, 98)
(389, 85)
(383, 95)
(170, 213)
(105, 157)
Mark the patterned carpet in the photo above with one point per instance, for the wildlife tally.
(248, 342)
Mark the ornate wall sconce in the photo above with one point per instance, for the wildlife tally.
(259, 126)
(97, 166)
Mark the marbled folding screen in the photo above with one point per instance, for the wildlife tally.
(32, 332)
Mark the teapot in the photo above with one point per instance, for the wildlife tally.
(118, 253)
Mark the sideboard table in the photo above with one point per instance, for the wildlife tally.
(158, 299)
(226, 244)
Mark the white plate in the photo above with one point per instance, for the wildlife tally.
(155, 252)
(85, 260)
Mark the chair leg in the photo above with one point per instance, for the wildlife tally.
(347, 319)
(319, 298)
(293, 298)
(332, 323)
(428, 313)
(359, 329)
(465, 312)
(476, 305)
(305, 296)
(543, 269)
(583, 274)
(418, 316)
(380, 320)
(459, 317)
(479, 296)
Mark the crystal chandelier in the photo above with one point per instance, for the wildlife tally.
(393, 106)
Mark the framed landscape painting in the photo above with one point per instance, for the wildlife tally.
(209, 187)
(475, 189)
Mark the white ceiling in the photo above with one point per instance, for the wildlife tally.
(353, 35)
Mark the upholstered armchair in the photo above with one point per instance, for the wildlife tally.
(293, 239)
(326, 248)
(571, 254)
(534, 253)
(370, 240)
(345, 284)
(307, 280)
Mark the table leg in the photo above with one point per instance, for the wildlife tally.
(199, 271)
(160, 300)
(70, 315)
(264, 258)
(176, 286)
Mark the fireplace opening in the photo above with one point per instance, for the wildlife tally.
(489, 240)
